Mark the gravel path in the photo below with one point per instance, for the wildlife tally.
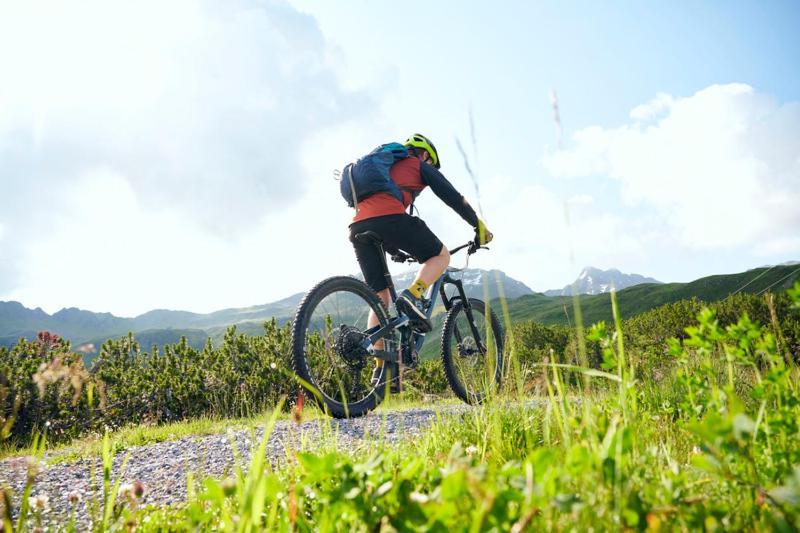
(162, 467)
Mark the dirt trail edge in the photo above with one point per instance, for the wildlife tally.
(162, 467)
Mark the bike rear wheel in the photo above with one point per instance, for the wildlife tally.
(326, 346)
(472, 356)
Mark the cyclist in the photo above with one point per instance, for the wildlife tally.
(384, 214)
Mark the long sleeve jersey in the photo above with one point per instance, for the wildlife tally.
(412, 176)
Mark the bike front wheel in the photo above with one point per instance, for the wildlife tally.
(472, 350)
(327, 346)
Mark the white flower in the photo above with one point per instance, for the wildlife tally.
(126, 490)
(472, 449)
(273, 366)
(39, 503)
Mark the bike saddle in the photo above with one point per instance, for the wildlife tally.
(368, 236)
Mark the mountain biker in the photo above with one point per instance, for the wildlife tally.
(385, 215)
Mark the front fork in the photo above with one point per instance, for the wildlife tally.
(448, 304)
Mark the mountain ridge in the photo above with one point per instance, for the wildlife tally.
(523, 304)
(82, 326)
(593, 280)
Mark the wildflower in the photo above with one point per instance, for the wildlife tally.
(74, 497)
(229, 486)
(138, 489)
(472, 449)
(297, 415)
(297, 410)
(35, 466)
(273, 366)
(39, 503)
(419, 497)
(126, 490)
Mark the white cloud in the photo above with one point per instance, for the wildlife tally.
(581, 199)
(544, 240)
(655, 107)
(164, 130)
(720, 167)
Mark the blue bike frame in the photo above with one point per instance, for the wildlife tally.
(400, 322)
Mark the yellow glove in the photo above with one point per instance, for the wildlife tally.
(482, 234)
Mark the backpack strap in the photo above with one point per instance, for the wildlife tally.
(414, 195)
(348, 171)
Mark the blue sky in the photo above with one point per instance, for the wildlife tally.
(180, 155)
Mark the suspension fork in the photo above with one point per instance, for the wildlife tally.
(448, 304)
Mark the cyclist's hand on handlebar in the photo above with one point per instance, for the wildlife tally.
(482, 234)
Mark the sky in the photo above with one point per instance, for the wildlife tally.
(181, 155)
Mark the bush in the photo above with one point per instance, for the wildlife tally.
(45, 387)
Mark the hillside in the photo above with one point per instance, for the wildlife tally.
(640, 298)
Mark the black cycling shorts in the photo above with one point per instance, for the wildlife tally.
(399, 232)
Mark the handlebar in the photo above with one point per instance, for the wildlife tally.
(472, 247)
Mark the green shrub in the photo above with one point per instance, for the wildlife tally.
(44, 387)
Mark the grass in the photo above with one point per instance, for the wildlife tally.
(710, 444)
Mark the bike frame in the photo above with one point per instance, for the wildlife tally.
(401, 322)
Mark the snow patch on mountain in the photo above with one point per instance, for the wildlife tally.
(595, 281)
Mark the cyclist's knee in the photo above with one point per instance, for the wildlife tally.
(445, 255)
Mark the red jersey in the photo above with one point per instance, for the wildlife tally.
(406, 174)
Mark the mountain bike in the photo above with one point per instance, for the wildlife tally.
(334, 349)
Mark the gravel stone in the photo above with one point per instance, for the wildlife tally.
(162, 467)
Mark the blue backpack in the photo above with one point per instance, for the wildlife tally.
(370, 174)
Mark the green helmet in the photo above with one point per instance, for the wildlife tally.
(420, 141)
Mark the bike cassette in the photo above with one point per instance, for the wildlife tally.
(349, 344)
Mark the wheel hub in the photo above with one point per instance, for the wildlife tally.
(468, 347)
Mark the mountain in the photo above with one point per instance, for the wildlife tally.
(640, 298)
(86, 327)
(477, 283)
(595, 281)
(164, 326)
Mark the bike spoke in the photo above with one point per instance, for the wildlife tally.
(337, 360)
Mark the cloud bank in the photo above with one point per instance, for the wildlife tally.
(191, 114)
(720, 168)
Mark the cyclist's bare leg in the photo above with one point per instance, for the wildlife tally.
(372, 320)
(433, 267)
